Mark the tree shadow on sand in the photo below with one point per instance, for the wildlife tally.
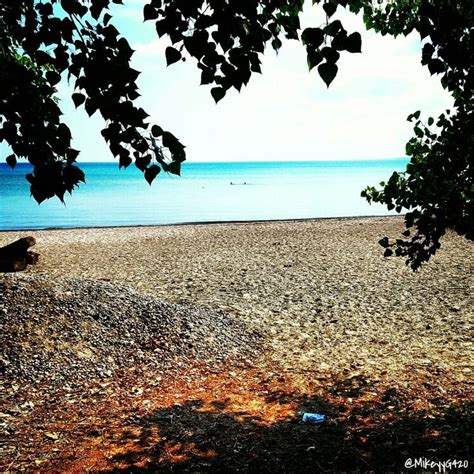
(358, 434)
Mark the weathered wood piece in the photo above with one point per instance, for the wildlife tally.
(15, 257)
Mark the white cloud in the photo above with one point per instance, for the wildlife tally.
(151, 49)
(130, 10)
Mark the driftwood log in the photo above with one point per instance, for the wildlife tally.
(15, 257)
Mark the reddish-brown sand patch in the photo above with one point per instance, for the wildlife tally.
(236, 418)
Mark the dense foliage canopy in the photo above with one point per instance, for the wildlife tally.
(43, 40)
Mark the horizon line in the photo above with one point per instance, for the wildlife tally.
(245, 161)
(271, 161)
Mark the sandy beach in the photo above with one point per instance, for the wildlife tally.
(319, 292)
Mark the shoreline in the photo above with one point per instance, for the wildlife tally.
(205, 223)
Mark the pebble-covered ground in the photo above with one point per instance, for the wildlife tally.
(68, 331)
(236, 329)
(320, 290)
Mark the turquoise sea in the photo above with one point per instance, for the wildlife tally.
(260, 191)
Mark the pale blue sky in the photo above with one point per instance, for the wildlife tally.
(285, 114)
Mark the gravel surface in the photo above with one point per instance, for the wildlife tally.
(319, 291)
(196, 348)
(73, 330)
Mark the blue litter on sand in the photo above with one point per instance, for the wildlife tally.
(313, 418)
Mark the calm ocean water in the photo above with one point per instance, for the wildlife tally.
(272, 190)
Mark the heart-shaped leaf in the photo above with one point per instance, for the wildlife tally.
(142, 162)
(151, 173)
(330, 8)
(354, 43)
(78, 99)
(149, 12)
(218, 93)
(11, 161)
(328, 72)
(172, 55)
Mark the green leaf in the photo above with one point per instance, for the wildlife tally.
(414, 115)
(333, 28)
(156, 131)
(354, 43)
(11, 161)
(339, 41)
(91, 107)
(72, 176)
(328, 72)
(124, 159)
(115, 148)
(151, 173)
(169, 140)
(218, 93)
(436, 66)
(172, 55)
(330, 9)
(142, 162)
(97, 7)
(175, 168)
(330, 54)
(314, 58)
(427, 52)
(149, 12)
(53, 77)
(207, 76)
(78, 99)
(198, 44)
(276, 44)
(313, 37)
(430, 121)
(419, 132)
